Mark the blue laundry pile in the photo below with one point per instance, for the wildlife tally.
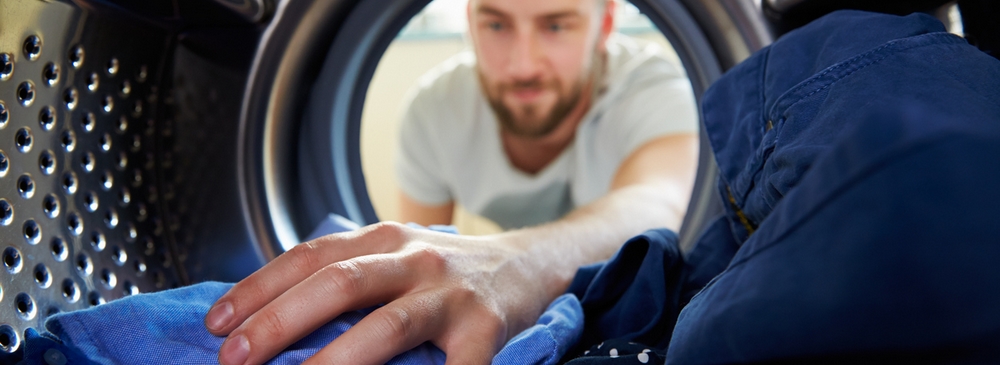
(167, 328)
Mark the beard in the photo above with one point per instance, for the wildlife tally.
(529, 120)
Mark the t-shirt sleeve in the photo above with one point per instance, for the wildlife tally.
(418, 165)
(659, 102)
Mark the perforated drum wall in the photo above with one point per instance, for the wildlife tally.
(82, 217)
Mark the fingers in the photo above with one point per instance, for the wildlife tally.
(289, 269)
(473, 342)
(337, 288)
(408, 322)
(470, 354)
(393, 329)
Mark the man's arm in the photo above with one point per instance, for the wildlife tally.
(467, 295)
(411, 210)
(651, 189)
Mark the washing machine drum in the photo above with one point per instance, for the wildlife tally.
(146, 145)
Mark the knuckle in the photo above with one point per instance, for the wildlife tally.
(271, 326)
(390, 231)
(494, 322)
(248, 296)
(257, 291)
(429, 259)
(467, 295)
(305, 256)
(488, 313)
(343, 278)
(395, 324)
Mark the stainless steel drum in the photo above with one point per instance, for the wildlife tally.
(82, 197)
(93, 97)
(150, 144)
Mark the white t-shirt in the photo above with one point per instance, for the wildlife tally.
(451, 148)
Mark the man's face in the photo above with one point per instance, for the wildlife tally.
(535, 58)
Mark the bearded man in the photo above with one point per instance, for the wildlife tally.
(545, 116)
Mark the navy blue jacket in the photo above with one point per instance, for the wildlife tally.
(860, 162)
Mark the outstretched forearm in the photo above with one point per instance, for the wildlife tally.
(650, 190)
(552, 253)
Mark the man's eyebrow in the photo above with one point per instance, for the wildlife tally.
(560, 15)
(486, 9)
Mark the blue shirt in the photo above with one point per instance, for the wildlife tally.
(167, 328)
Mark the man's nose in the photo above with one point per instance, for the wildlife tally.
(525, 56)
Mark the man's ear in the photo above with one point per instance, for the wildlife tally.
(468, 20)
(607, 23)
(468, 13)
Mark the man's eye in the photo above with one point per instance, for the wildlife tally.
(556, 27)
(495, 26)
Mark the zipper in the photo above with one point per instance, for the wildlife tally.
(750, 227)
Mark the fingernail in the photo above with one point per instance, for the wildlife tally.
(219, 316)
(234, 351)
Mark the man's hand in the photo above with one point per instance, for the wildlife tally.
(466, 295)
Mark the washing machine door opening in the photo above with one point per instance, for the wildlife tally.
(427, 148)
(296, 174)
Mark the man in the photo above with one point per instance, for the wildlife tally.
(540, 117)
(469, 295)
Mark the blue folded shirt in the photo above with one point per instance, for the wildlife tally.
(167, 328)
